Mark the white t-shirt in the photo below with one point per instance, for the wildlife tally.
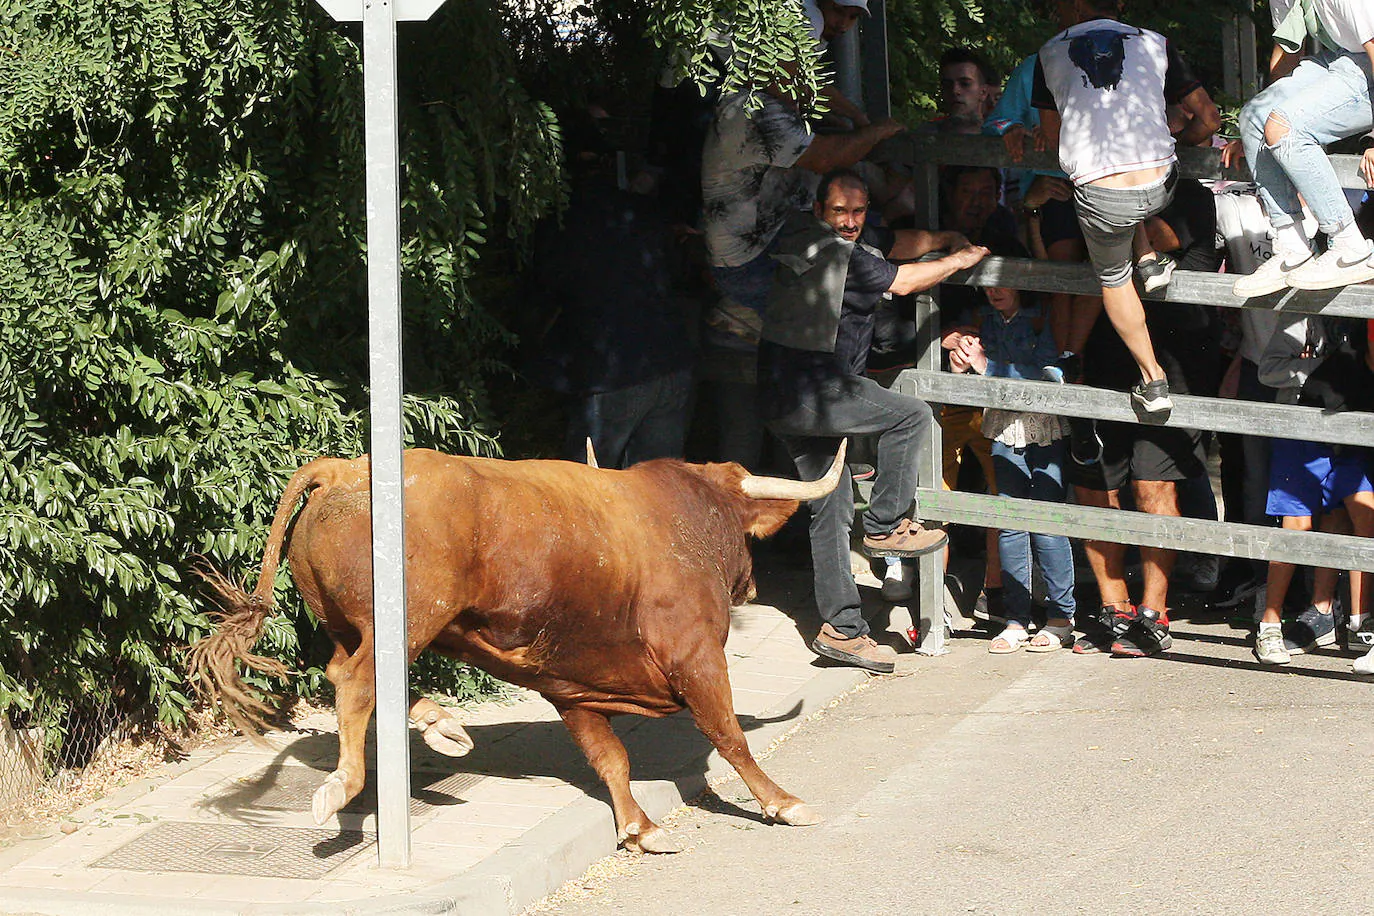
(748, 184)
(1350, 23)
(1110, 82)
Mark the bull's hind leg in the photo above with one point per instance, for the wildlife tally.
(703, 682)
(592, 732)
(440, 728)
(354, 698)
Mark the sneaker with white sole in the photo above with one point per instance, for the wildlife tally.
(1156, 272)
(1269, 647)
(1365, 663)
(1361, 638)
(1152, 397)
(1271, 277)
(1312, 630)
(1331, 270)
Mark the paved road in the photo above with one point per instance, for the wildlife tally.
(1200, 783)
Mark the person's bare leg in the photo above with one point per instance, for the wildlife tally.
(1127, 315)
(1324, 580)
(1106, 559)
(1157, 497)
(1082, 316)
(1361, 509)
(1141, 249)
(1281, 574)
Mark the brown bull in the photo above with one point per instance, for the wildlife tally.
(606, 591)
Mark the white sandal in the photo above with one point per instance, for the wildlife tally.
(1013, 637)
(1060, 637)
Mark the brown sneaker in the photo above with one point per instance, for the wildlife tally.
(858, 651)
(909, 539)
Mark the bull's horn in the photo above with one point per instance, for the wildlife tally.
(781, 488)
(591, 454)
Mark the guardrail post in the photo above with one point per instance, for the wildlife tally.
(931, 583)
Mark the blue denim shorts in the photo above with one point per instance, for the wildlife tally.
(1308, 478)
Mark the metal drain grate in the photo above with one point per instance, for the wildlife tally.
(291, 789)
(236, 849)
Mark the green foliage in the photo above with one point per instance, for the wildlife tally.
(182, 301)
(1006, 31)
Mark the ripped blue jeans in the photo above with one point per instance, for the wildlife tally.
(1327, 98)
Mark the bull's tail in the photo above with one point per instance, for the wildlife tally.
(214, 660)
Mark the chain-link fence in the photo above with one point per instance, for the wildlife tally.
(54, 760)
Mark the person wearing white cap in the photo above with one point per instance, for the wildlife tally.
(832, 18)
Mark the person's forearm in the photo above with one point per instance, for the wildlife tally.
(835, 151)
(1282, 63)
(915, 278)
(914, 243)
(1199, 130)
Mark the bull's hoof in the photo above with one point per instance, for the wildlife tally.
(329, 798)
(797, 815)
(448, 737)
(654, 840)
(657, 841)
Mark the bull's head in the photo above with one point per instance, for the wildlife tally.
(771, 501)
(1101, 55)
(801, 490)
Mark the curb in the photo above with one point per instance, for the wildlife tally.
(566, 844)
(556, 850)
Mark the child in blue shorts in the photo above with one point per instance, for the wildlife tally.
(1312, 484)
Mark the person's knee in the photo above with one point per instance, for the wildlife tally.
(918, 416)
(1276, 128)
(1157, 497)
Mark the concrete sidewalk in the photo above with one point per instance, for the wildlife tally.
(230, 830)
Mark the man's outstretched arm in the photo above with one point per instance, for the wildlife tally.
(914, 278)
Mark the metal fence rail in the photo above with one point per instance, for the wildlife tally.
(926, 153)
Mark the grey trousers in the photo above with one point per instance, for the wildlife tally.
(853, 406)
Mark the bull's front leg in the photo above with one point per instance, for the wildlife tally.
(605, 752)
(704, 683)
(440, 728)
(354, 699)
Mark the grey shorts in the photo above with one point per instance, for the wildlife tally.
(1108, 217)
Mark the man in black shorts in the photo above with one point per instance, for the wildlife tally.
(1153, 459)
(832, 272)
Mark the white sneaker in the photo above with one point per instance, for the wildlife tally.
(1269, 647)
(1271, 277)
(1332, 270)
(1365, 663)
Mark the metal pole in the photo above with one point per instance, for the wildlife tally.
(848, 79)
(384, 365)
(873, 50)
(931, 567)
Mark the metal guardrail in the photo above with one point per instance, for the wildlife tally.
(926, 153)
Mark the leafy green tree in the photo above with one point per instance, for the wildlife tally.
(182, 301)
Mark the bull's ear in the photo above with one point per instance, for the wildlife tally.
(769, 515)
